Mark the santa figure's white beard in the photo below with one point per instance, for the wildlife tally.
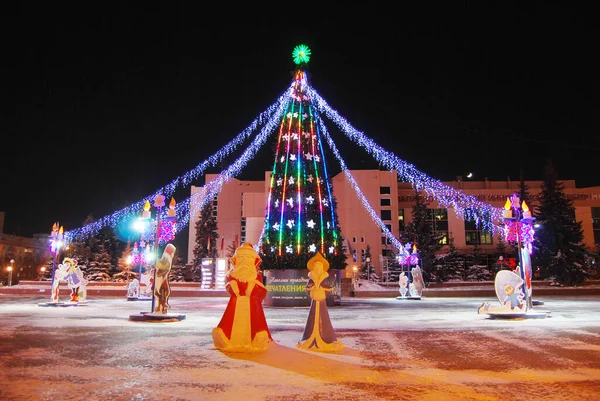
(243, 273)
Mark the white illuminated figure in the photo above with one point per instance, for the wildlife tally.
(70, 272)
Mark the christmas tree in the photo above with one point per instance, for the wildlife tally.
(233, 246)
(301, 216)
(206, 238)
(559, 249)
(420, 232)
(98, 269)
(451, 265)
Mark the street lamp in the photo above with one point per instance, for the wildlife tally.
(128, 262)
(354, 270)
(42, 272)
(368, 269)
(9, 269)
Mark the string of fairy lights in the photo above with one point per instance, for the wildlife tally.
(466, 206)
(182, 209)
(361, 196)
(192, 205)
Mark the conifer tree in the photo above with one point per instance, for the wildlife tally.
(206, 239)
(178, 269)
(420, 232)
(125, 265)
(301, 216)
(79, 249)
(501, 255)
(206, 235)
(99, 266)
(233, 246)
(523, 190)
(452, 264)
(367, 270)
(558, 244)
(476, 271)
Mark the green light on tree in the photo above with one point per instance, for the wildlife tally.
(301, 54)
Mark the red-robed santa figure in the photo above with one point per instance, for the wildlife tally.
(243, 326)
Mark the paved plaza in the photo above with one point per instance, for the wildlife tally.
(428, 349)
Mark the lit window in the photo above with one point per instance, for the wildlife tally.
(474, 235)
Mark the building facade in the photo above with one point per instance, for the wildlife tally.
(240, 211)
(26, 255)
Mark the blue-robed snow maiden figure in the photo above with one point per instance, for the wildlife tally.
(318, 333)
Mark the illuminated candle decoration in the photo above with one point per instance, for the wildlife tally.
(171, 211)
(56, 238)
(507, 212)
(146, 212)
(526, 211)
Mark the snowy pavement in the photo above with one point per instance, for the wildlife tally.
(428, 349)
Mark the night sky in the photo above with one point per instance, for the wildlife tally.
(102, 106)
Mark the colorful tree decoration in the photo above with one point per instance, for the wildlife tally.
(301, 54)
(300, 217)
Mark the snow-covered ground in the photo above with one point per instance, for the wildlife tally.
(428, 349)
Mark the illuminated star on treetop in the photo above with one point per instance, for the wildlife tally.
(301, 54)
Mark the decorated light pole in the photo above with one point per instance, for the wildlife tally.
(164, 231)
(518, 231)
(56, 242)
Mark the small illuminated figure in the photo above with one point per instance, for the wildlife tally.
(70, 272)
(133, 289)
(514, 299)
(403, 283)
(509, 290)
